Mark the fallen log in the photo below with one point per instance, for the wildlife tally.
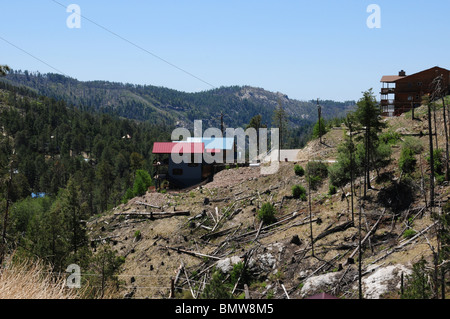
(336, 229)
(148, 205)
(192, 253)
(367, 235)
(401, 246)
(154, 214)
(218, 234)
(294, 215)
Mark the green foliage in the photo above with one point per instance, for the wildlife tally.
(316, 172)
(107, 265)
(390, 137)
(418, 283)
(332, 189)
(137, 235)
(438, 161)
(267, 213)
(239, 272)
(320, 128)
(407, 161)
(409, 233)
(141, 184)
(299, 192)
(413, 144)
(299, 170)
(216, 288)
(438, 157)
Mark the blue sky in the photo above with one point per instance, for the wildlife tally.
(305, 49)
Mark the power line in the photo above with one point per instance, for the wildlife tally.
(139, 47)
(33, 56)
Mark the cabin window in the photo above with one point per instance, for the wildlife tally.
(419, 83)
(177, 171)
(410, 98)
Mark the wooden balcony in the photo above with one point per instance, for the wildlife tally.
(387, 102)
(387, 90)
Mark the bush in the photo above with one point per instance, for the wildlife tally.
(320, 128)
(332, 189)
(409, 233)
(299, 170)
(267, 213)
(407, 161)
(299, 192)
(316, 172)
(438, 164)
(137, 235)
(390, 137)
(141, 184)
(418, 283)
(216, 288)
(413, 144)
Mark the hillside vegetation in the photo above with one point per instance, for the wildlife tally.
(246, 232)
(243, 235)
(162, 105)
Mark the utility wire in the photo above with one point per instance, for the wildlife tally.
(33, 56)
(138, 46)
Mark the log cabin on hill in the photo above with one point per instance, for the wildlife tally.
(400, 93)
(187, 174)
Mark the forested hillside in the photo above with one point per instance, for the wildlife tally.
(48, 142)
(146, 102)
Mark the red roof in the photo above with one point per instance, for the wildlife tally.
(391, 78)
(174, 148)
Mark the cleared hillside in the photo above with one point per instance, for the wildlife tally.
(223, 229)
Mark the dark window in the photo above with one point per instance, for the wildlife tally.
(177, 171)
(419, 83)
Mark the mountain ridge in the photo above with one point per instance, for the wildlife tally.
(159, 104)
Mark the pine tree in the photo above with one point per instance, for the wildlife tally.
(368, 115)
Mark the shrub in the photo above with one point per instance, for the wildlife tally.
(141, 183)
(299, 192)
(390, 137)
(407, 161)
(418, 283)
(137, 235)
(316, 172)
(216, 288)
(320, 128)
(332, 189)
(409, 233)
(413, 144)
(267, 213)
(438, 164)
(299, 170)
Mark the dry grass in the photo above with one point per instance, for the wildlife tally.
(32, 280)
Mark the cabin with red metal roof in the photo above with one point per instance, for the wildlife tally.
(185, 165)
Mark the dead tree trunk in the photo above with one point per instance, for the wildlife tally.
(430, 135)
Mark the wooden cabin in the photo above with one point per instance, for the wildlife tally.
(400, 93)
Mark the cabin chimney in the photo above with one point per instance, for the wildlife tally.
(402, 73)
